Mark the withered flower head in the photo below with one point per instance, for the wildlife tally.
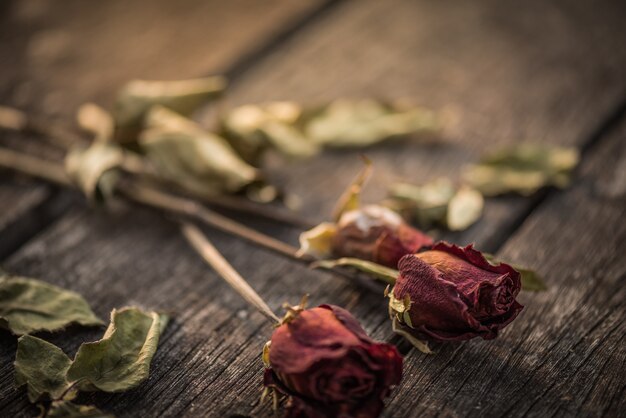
(450, 293)
(329, 367)
(378, 234)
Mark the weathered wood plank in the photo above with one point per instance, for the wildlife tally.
(565, 354)
(61, 54)
(478, 59)
(499, 73)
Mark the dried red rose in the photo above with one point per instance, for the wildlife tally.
(329, 367)
(378, 234)
(450, 293)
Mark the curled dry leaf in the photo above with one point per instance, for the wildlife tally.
(137, 97)
(380, 272)
(522, 169)
(97, 121)
(29, 305)
(361, 123)
(350, 199)
(318, 240)
(94, 169)
(465, 208)
(42, 367)
(298, 132)
(66, 409)
(438, 202)
(192, 158)
(252, 129)
(121, 359)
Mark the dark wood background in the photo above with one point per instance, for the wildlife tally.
(499, 72)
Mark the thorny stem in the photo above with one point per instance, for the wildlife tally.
(211, 255)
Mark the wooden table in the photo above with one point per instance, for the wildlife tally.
(499, 71)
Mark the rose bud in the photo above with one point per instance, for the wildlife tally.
(450, 293)
(378, 234)
(329, 367)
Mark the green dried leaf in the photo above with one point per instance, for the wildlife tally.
(252, 129)
(401, 330)
(97, 121)
(522, 169)
(438, 202)
(425, 205)
(183, 96)
(531, 280)
(192, 158)
(95, 169)
(121, 359)
(42, 367)
(29, 305)
(65, 409)
(377, 271)
(465, 208)
(318, 240)
(361, 123)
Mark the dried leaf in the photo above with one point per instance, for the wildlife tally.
(183, 96)
(531, 280)
(400, 329)
(97, 121)
(29, 305)
(42, 367)
(438, 202)
(94, 169)
(426, 204)
(194, 159)
(465, 208)
(65, 409)
(351, 197)
(522, 169)
(318, 240)
(121, 359)
(361, 123)
(252, 129)
(377, 271)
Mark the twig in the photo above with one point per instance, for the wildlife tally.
(187, 207)
(212, 256)
(65, 138)
(157, 199)
(59, 135)
(35, 167)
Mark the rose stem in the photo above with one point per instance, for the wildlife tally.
(182, 206)
(64, 137)
(211, 255)
(57, 134)
(145, 195)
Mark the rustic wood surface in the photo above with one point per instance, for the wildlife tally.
(499, 72)
(57, 55)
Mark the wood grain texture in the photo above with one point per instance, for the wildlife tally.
(500, 74)
(497, 72)
(55, 55)
(564, 355)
